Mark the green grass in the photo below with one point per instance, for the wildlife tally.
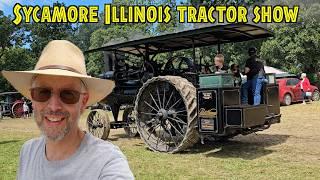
(10, 145)
(289, 150)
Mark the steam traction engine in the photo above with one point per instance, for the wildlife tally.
(173, 106)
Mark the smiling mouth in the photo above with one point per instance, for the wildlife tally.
(54, 119)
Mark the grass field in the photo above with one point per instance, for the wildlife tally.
(289, 150)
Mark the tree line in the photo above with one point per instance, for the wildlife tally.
(294, 47)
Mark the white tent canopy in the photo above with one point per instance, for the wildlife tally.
(279, 73)
(269, 69)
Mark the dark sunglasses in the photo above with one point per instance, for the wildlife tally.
(67, 96)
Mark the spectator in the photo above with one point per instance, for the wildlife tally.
(304, 86)
(25, 110)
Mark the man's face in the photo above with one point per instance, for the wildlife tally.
(252, 54)
(54, 117)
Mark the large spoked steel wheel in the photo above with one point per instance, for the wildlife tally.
(98, 123)
(131, 127)
(17, 109)
(165, 112)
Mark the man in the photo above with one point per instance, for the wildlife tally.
(254, 70)
(60, 89)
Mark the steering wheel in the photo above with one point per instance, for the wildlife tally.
(178, 65)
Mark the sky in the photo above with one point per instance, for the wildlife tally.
(7, 5)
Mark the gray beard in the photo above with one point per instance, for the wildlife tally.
(61, 134)
(57, 137)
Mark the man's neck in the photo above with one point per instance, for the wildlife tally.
(66, 147)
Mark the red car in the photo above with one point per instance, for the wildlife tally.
(289, 92)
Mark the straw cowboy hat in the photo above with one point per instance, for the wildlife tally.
(61, 58)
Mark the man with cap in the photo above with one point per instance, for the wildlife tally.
(254, 70)
(60, 89)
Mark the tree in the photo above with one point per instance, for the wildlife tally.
(295, 47)
(16, 59)
(41, 33)
(115, 33)
(10, 35)
(12, 55)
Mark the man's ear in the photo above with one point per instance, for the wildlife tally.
(84, 102)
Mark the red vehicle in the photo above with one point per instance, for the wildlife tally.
(289, 92)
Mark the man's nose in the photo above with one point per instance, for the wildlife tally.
(54, 103)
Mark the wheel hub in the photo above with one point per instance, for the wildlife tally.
(162, 114)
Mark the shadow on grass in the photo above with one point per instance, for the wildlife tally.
(11, 141)
(116, 137)
(241, 147)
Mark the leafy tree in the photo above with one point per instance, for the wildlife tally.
(295, 47)
(41, 33)
(10, 35)
(12, 55)
(16, 59)
(113, 34)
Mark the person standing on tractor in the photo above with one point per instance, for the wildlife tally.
(254, 69)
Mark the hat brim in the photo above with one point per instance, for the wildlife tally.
(97, 88)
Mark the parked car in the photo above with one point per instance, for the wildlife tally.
(289, 92)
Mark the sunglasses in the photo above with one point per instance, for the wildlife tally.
(67, 96)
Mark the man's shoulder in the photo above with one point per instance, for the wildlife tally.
(31, 147)
(33, 143)
(94, 141)
(114, 163)
(101, 146)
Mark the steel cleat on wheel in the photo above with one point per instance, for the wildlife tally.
(165, 110)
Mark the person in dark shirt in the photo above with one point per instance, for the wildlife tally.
(254, 69)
